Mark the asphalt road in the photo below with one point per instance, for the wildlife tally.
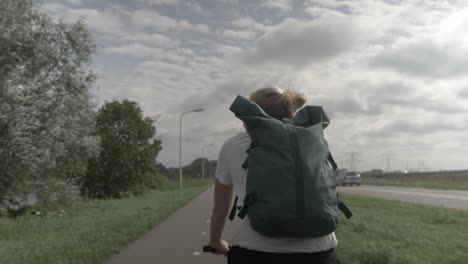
(444, 198)
(179, 239)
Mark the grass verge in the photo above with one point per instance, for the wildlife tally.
(91, 231)
(392, 232)
(446, 180)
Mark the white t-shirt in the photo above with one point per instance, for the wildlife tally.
(229, 172)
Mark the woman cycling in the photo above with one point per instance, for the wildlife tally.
(248, 246)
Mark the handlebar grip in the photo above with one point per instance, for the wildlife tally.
(207, 248)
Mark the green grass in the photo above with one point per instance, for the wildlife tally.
(380, 232)
(448, 180)
(391, 232)
(91, 231)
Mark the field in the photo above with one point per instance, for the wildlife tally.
(447, 180)
(391, 232)
(91, 231)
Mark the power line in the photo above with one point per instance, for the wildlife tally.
(353, 160)
(422, 166)
(388, 158)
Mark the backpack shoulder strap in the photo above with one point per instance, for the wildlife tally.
(343, 208)
(332, 161)
(234, 208)
(249, 200)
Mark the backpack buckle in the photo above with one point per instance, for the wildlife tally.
(248, 201)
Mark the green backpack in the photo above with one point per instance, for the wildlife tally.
(290, 189)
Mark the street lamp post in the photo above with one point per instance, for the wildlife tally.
(203, 159)
(180, 144)
(210, 169)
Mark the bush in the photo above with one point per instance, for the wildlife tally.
(157, 181)
(50, 194)
(128, 152)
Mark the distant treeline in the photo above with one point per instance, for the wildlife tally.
(193, 170)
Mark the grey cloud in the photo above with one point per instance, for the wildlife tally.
(248, 23)
(297, 43)
(318, 8)
(409, 95)
(154, 39)
(239, 35)
(240, 82)
(348, 104)
(409, 126)
(425, 59)
(193, 65)
(160, 2)
(102, 21)
(135, 49)
(283, 6)
(219, 97)
(393, 2)
(352, 106)
(365, 98)
(443, 107)
(420, 102)
(227, 50)
(388, 95)
(463, 93)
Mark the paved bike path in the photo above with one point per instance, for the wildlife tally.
(179, 239)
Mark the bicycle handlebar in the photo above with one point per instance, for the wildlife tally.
(207, 248)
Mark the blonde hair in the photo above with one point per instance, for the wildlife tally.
(278, 103)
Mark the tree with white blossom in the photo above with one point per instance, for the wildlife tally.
(46, 111)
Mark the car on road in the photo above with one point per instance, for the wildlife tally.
(348, 178)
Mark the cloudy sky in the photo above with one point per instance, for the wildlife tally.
(391, 74)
